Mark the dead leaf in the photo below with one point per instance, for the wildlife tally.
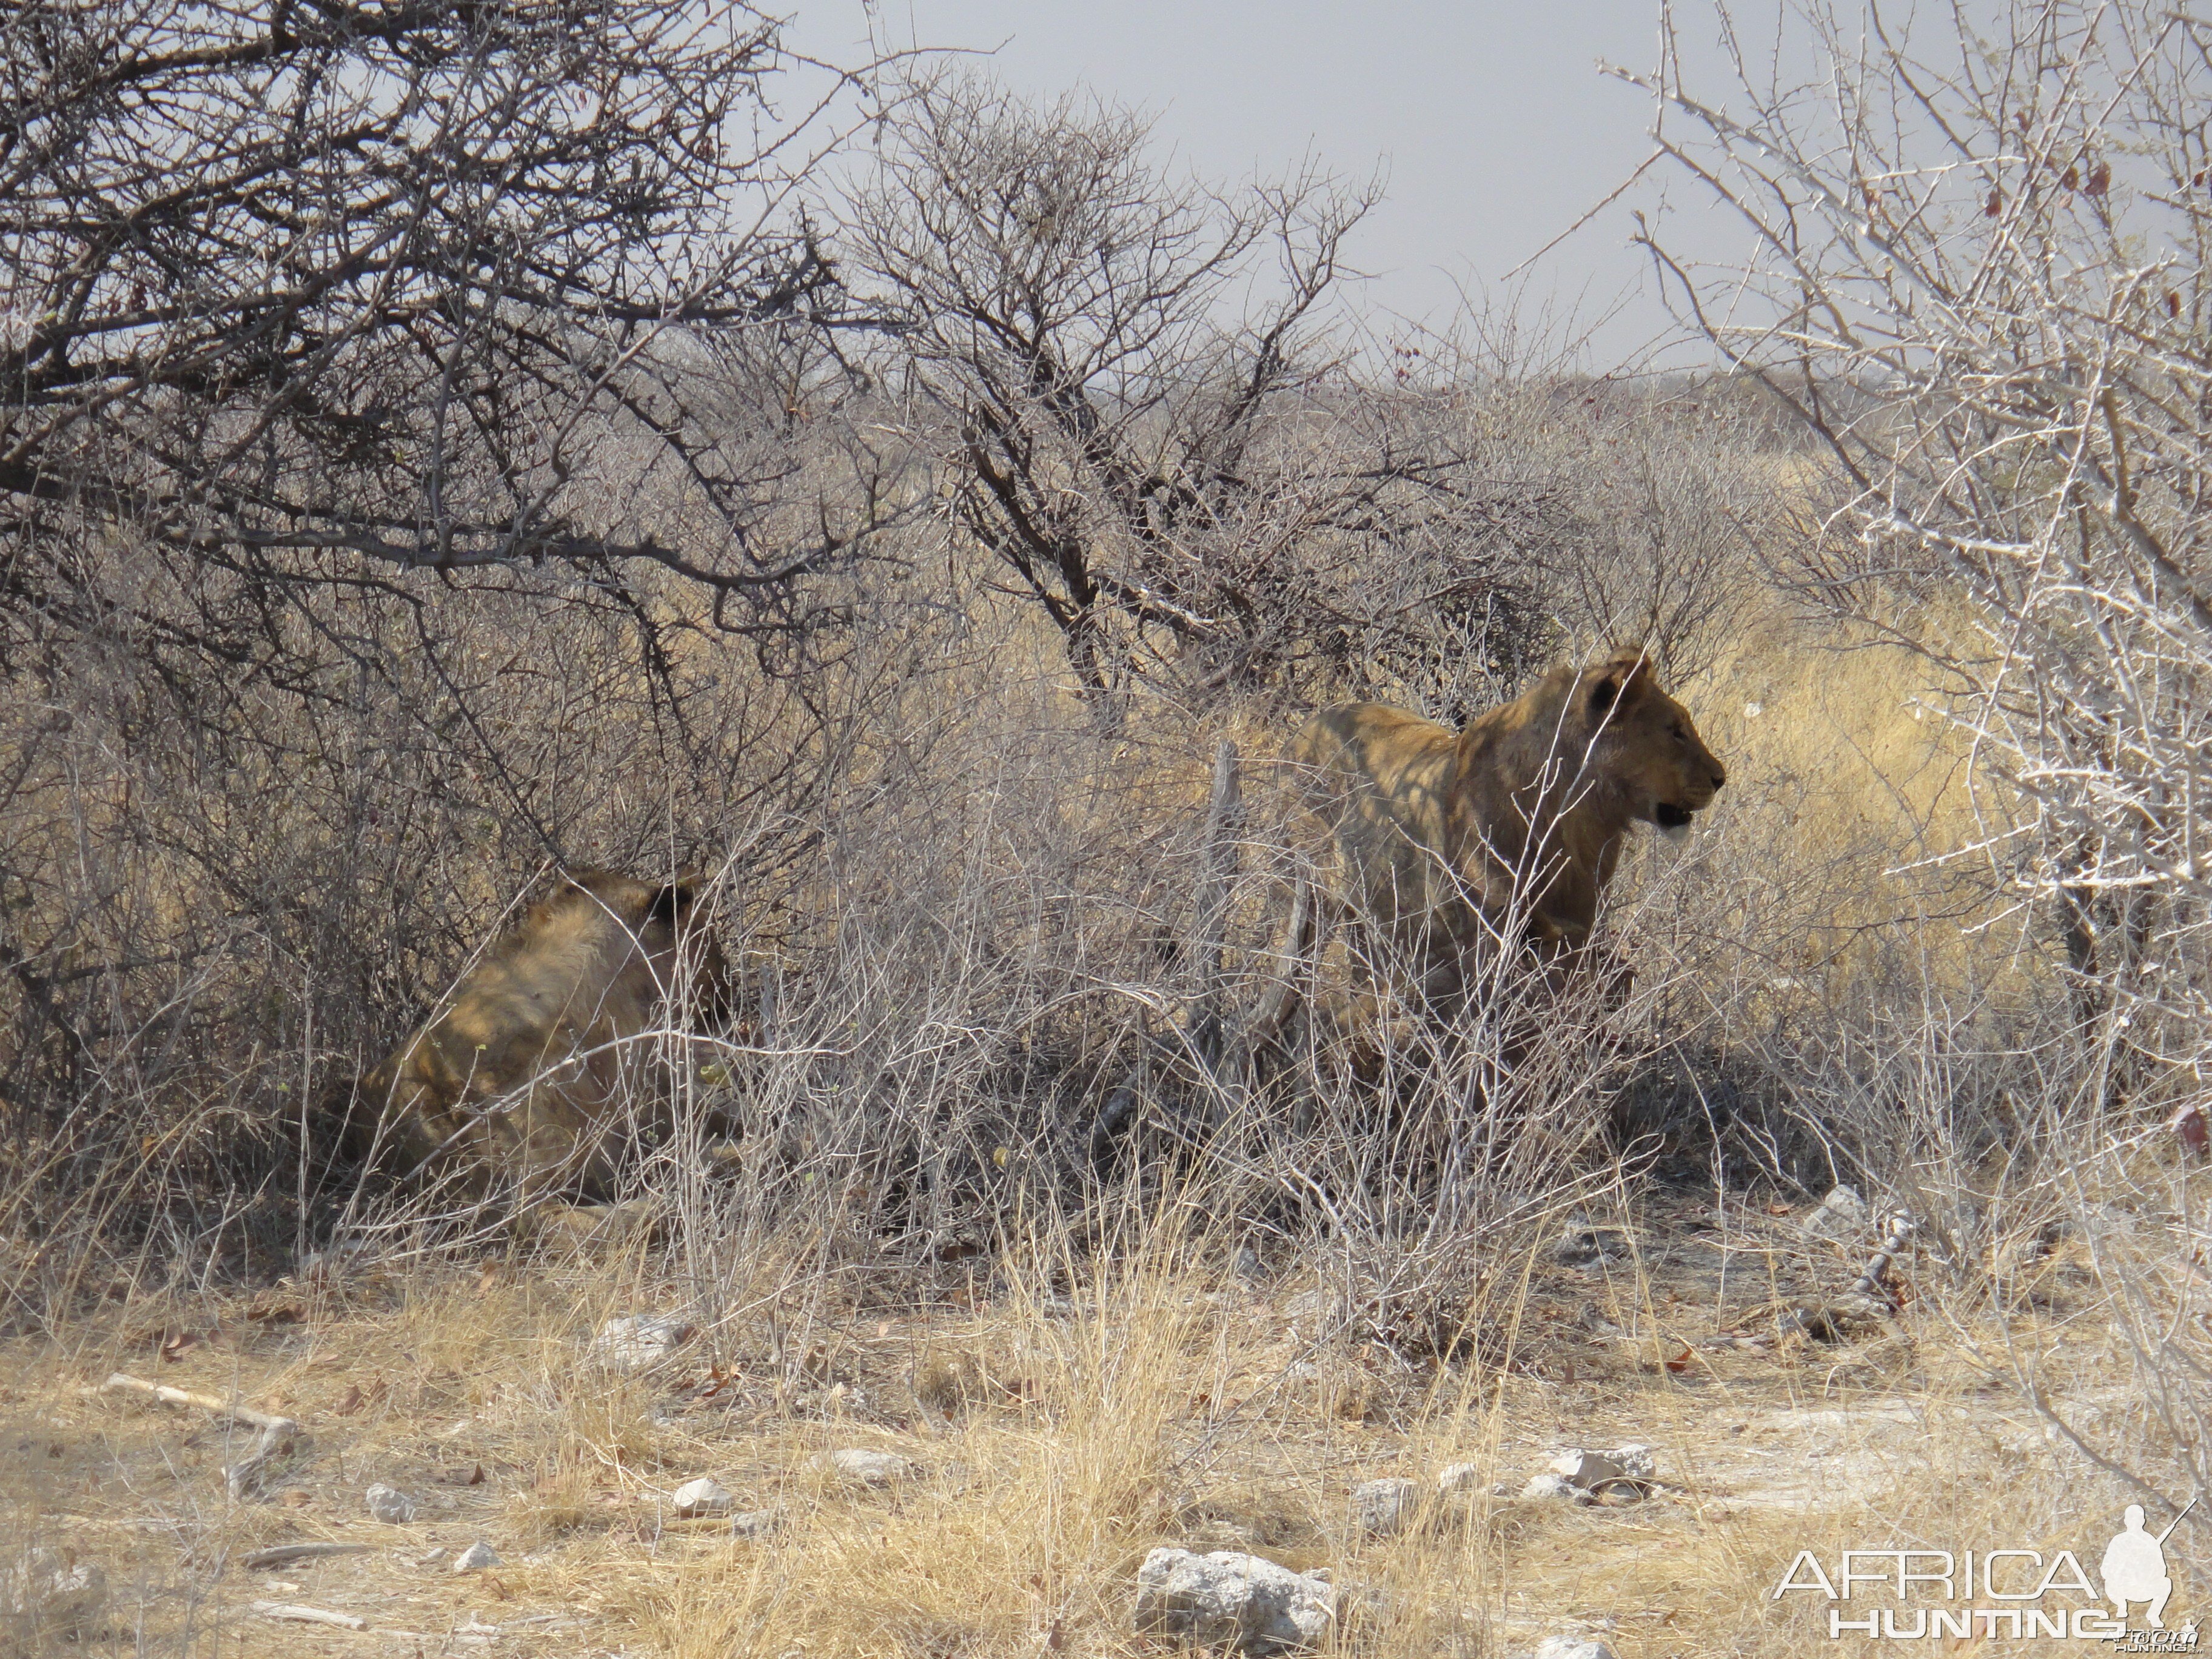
(180, 1343)
(488, 1277)
(354, 1401)
(2189, 1123)
(1679, 1362)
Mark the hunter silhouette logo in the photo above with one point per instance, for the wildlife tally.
(1919, 1595)
(2134, 1567)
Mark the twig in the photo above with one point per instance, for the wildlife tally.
(310, 1615)
(279, 1435)
(281, 1555)
(206, 1402)
(1869, 1283)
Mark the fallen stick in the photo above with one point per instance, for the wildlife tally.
(279, 1435)
(206, 1402)
(310, 1615)
(279, 1555)
(1869, 1283)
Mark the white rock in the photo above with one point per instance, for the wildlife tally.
(1383, 1509)
(1621, 1470)
(1572, 1647)
(1245, 1602)
(1460, 1477)
(705, 1496)
(1842, 1215)
(389, 1504)
(1555, 1486)
(638, 1342)
(754, 1523)
(1634, 1460)
(860, 1467)
(1586, 1469)
(478, 1556)
(60, 1594)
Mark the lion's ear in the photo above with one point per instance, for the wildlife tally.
(1622, 680)
(673, 902)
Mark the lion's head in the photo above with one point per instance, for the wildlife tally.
(1515, 822)
(1642, 745)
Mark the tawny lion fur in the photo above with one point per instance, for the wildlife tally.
(1512, 826)
(534, 1075)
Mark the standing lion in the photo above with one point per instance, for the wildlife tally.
(1508, 829)
(544, 1071)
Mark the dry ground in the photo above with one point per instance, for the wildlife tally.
(1062, 1422)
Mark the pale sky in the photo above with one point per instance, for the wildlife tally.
(1490, 119)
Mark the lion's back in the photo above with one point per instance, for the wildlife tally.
(532, 1065)
(1378, 777)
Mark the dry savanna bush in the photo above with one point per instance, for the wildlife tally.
(936, 580)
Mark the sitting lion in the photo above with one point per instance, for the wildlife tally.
(540, 1074)
(1509, 828)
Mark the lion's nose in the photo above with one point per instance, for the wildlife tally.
(1720, 774)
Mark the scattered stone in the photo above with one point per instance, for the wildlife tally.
(639, 1342)
(478, 1556)
(58, 1592)
(1557, 1487)
(390, 1505)
(754, 1523)
(705, 1496)
(1572, 1647)
(1843, 1216)
(1383, 1509)
(1248, 1265)
(1460, 1477)
(1582, 1245)
(1245, 1602)
(1623, 1472)
(1590, 1468)
(860, 1467)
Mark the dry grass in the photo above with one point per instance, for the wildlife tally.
(1064, 1415)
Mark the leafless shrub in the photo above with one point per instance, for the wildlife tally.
(1980, 284)
(269, 786)
(1983, 262)
(1143, 415)
(303, 298)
